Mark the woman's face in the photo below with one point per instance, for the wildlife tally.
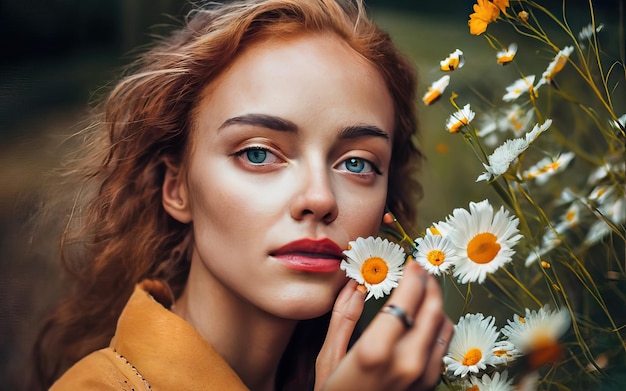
(290, 161)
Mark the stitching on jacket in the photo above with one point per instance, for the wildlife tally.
(145, 382)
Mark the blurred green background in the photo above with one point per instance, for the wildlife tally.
(60, 56)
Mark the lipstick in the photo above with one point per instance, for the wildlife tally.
(313, 256)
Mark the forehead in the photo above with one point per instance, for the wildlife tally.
(303, 77)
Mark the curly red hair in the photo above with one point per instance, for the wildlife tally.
(119, 232)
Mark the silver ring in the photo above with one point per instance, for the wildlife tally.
(398, 313)
(441, 341)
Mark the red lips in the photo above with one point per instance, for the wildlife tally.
(316, 256)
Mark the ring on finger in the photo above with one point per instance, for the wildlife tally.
(398, 313)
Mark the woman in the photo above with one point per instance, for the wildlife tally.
(236, 163)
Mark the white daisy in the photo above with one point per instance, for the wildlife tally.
(547, 167)
(614, 209)
(537, 334)
(506, 56)
(506, 351)
(519, 86)
(460, 119)
(439, 228)
(484, 241)
(555, 66)
(436, 90)
(586, 33)
(435, 253)
(375, 263)
(471, 348)
(517, 120)
(548, 243)
(509, 151)
(499, 381)
(453, 61)
(601, 193)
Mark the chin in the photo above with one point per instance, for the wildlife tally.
(306, 304)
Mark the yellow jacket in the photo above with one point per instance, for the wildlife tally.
(153, 349)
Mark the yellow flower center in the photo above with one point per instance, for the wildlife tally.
(432, 96)
(483, 248)
(436, 257)
(473, 388)
(558, 66)
(543, 350)
(451, 64)
(434, 231)
(374, 270)
(505, 58)
(458, 125)
(472, 357)
(501, 353)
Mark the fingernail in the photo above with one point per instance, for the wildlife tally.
(361, 288)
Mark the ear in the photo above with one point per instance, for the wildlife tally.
(174, 194)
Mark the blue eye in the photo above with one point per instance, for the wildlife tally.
(256, 155)
(355, 165)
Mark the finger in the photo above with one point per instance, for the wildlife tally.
(428, 319)
(388, 328)
(418, 348)
(346, 312)
(434, 368)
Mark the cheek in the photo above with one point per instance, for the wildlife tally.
(226, 201)
(362, 213)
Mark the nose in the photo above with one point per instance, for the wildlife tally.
(315, 198)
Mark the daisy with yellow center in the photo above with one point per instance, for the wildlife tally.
(570, 218)
(548, 167)
(519, 87)
(600, 193)
(506, 351)
(498, 381)
(484, 241)
(439, 228)
(549, 242)
(435, 253)
(505, 56)
(471, 347)
(551, 239)
(555, 66)
(375, 263)
(453, 61)
(436, 90)
(537, 334)
(460, 119)
(517, 119)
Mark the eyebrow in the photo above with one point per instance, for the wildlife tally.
(280, 124)
(357, 131)
(263, 120)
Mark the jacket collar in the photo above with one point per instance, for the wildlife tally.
(167, 351)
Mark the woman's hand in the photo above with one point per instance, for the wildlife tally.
(389, 355)
(346, 312)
